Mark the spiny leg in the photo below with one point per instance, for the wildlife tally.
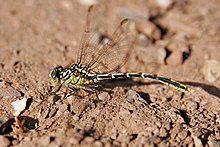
(54, 93)
(72, 89)
(89, 88)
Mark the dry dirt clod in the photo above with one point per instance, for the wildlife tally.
(163, 132)
(182, 135)
(88, 139)
(195, 134)
(147, 28)
(52, 112)
(178, 43)
(97, 144)
(63, 107)
(178, 47)
(4, 142)
(123, 137)
(175, 131)
(167, 125)
(161, 55)
(74, 140)
(53, 98)
(192, 105)
(176, 58)
(103, 96)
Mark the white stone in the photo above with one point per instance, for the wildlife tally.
(19, 106)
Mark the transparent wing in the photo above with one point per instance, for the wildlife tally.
(104, 57)
(114, 53)
(90, 38)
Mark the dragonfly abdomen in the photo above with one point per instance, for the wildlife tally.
(101, 77)
(162, 79)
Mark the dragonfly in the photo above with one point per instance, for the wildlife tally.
(98, 62)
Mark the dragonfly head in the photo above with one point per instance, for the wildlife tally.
(56, 74)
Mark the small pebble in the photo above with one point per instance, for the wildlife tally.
(52, 112)
(116, 143)
(162, 144)
(97, 144)
(103, 96)
(124, 113)
(164, 3)
(167, 125)
(73, 140)
(211, 70)
(192, 105)
(192, 123)
(4, 142)
(45, 140)
(63, 107)
(161, 55)
(19, 106)
(113, 135)
(214, 143)
(76, 117)
(177, 128)
(66, 5)
(156, 131)
(9, 92)
(123, 137)
(197, 141)
(88, 2)
(88, 139)
(131, 94)
(163, 132)
(43, 114)
(15, 142)
(158, 124)
(182, 135)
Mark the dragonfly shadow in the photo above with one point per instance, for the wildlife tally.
(121, 83)
(29, 124)
(145, 97)
(213, 90)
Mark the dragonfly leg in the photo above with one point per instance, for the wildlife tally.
(73, 90)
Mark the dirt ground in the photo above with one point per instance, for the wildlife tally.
(178, 39)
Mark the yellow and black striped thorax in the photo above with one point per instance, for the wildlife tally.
(77, 75)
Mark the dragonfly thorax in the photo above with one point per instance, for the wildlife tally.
(75, 75)
(81, 68)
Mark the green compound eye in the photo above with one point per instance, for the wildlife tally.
(55, 74)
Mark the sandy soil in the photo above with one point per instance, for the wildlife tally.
(178, 39)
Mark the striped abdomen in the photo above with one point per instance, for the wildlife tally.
(162, 79)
